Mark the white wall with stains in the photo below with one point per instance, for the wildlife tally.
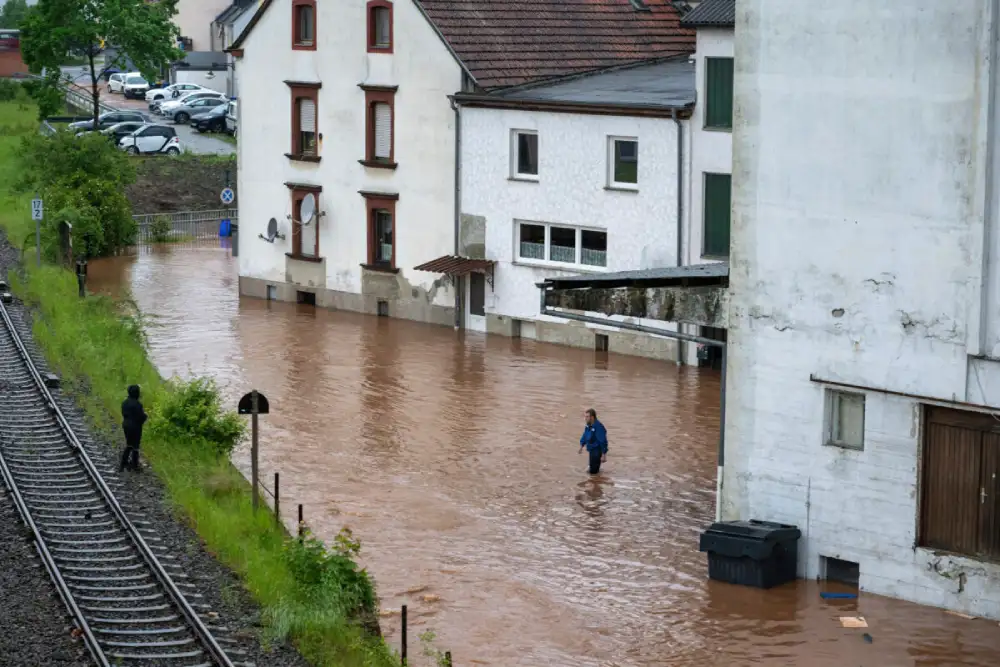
(571, 190)
(859, 208)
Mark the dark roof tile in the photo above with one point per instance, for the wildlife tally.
(512, 42)
(712, 14)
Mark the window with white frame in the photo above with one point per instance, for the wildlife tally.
(623, 163)
(845, 419)
(562, 245)
(524, 155)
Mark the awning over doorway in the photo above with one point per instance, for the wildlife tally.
(454, 266)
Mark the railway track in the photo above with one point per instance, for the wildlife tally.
(127, 598)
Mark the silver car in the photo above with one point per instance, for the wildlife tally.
(185, 105)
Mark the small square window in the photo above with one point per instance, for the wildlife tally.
(532, 242)
(562, 245)
(845, 419)
(524, 155)
(623, 163)
(593, 248)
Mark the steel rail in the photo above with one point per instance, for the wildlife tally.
(89, 638)
(195, 623)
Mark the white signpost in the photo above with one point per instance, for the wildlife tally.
(37, 213)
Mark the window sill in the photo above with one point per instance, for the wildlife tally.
(303, 46)
(524, 179)
(718, 128)
(622, 188)
(303, 258)
(378, 164)
(716, 258)
(559, 266)
(380, 48)
(380, 268)
(844, 445)
(302, 158)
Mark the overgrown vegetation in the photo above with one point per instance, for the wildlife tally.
(82, 181)
(314, 595)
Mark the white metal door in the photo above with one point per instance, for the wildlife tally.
(475, 302)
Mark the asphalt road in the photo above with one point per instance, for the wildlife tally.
(204, 144)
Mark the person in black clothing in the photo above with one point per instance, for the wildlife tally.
(133, 417)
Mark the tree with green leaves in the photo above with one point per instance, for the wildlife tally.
(11, 14)
(142, 32)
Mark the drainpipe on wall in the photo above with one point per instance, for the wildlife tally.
(990, 212)
(681, 347)
(458, 283)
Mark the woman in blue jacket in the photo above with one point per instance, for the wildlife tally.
(595, 440)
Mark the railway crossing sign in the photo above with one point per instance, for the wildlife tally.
(227, 196)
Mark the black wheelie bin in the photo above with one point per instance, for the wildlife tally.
(751, 553)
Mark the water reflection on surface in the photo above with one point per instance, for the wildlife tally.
(453, 458)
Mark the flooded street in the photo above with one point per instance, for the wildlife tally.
(453, 458)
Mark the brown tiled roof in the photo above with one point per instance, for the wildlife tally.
(511, 42)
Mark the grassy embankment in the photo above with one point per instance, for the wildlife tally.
(306, 592)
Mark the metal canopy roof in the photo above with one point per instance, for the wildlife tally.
(697, 275)
(455, 266)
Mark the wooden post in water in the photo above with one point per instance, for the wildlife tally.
(254, 449)
(403, 647)
(277, 499)
(447, 658)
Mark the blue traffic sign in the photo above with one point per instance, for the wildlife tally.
(227, 196)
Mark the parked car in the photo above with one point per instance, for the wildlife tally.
(232, 112)
(211, 121)
(116, 82)
(117, 132)
(109, 118)
(135, 86)
(169, 107)
(183, 113)
(151, 138)
(173, 91)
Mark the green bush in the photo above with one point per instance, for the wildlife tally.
(329, 578)
(9, 90)
(83, 180)
(160, 230)
(192, 411)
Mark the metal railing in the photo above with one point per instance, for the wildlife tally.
(182, 225)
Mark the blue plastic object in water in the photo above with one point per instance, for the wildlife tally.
(838, 596)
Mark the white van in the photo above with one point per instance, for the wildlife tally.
(232, 114)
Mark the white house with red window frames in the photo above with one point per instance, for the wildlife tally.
(349, 102)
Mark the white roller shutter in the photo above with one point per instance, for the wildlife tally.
(309, 237)
(383, 131)
(307, 115)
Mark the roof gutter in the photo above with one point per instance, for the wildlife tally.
(681, 347)
(598, 108)
(457, 282)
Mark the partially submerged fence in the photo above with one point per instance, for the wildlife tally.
(184, 225)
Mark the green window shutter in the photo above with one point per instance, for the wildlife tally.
(719, 93)
(718, 201)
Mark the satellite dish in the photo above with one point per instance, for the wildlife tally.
(272, 228)
(308, 210)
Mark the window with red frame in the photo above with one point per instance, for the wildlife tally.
(305, 121)
(380, 26)
(380, 149)
(381, 210)
(305, 238)
(304, 24)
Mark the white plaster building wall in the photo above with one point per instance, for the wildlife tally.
(194, 18)
(571, 191)
(424, 131)
(857, 232)
(712, 150)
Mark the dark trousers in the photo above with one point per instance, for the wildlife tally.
(130, 457)
(595, 461)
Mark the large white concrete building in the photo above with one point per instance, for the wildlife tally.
(347, 105)
(864, 330)
(571, 177)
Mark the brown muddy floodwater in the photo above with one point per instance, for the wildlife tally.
(454, 459)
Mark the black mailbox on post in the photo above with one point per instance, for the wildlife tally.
(751, 553)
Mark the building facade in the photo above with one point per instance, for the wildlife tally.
(864, 333)
(346, 108)
(554, 182)
(195, 19)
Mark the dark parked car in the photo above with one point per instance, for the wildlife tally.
(211, 121)
(116, 132)
(107, 119)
